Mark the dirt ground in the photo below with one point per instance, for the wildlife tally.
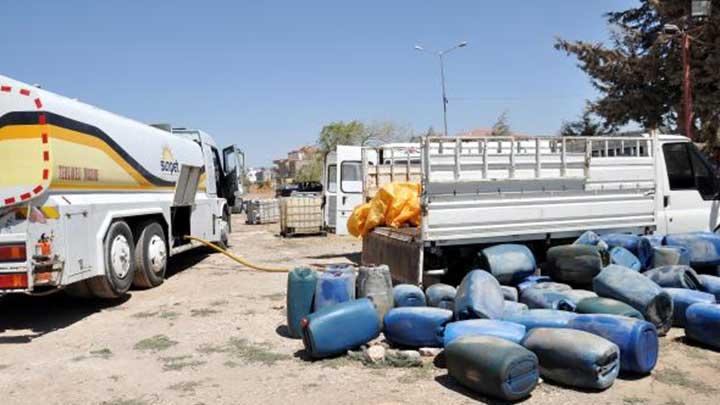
(213, 333)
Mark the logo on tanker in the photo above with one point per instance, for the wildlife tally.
(168, 163)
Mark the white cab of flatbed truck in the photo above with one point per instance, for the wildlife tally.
(94, 202)
(493, 190)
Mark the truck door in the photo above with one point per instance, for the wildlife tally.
(232, 179)
(690, 190)
(349, 184)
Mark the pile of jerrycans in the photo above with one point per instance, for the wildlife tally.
(593, 312)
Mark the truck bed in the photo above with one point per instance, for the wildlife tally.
(482, 191)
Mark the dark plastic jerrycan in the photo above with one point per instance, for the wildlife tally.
(300, 291)
(334, 286)
(408, 295)
(338, 328)
(674, 277)
(702, 324)
(574, 358)
(492, 366)
(601, 305)
(479, 296)
(639, 292)
(509, 263)
(704, 247)
(374, 282)
(416, 326)
(637, 339)
(683, 298)
(542, 318)
(441, 296)
(710, 284)
(575, 265)
(511, 331)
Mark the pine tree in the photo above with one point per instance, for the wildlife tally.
(639, 73)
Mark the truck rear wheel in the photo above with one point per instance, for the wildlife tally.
(150, 256)
(119, 251)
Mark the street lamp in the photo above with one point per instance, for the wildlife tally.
(699, 10)
(441, 56)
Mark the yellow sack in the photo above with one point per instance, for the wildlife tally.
(394, 205)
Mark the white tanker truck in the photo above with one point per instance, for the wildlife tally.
(96, 202)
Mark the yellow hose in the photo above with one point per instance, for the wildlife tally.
(238, 258)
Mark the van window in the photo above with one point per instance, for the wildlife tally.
(332, 179)
(351, 177)
(688, 170)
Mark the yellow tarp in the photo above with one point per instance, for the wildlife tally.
(394, 205)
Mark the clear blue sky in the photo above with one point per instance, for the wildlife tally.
(267, 75)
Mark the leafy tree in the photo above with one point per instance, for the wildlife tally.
(312, 171)
(358, 133)
(340, 133)
(501, 126)
(639, 73)
(378, 133)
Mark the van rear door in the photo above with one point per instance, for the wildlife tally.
(329, 181)
(349, 184)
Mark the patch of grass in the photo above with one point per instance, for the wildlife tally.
(203, 312)
(231, 364)
(246, 351)
(171, 315)
(634, 401)
(253, 353)
(274, 297)
(145, 314)
(102, 353)
(155, 344)
(249, 312)
(210, 349)
(4, 366)
(218, 303)
(673, 376)
(416, 374)
(115, 377)
(186, 387)
(175, 363)
(673, 401)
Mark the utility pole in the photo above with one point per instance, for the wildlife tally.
(698, 10)
(441, 56)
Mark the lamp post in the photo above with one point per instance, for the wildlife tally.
(441, 56)
(699, 10)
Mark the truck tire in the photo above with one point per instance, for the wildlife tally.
(150, 256)
(119, 252)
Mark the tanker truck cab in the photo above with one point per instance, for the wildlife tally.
(96, 203)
